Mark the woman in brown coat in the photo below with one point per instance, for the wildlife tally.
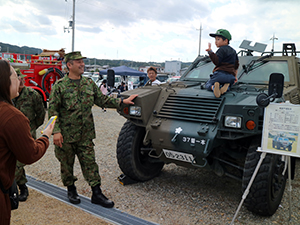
(16, 142)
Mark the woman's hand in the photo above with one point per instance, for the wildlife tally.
(49, 129)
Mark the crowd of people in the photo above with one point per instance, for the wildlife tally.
(71, 100)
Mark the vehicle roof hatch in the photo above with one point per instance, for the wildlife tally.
(258, 47)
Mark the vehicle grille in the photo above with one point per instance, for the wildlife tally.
(203, 110)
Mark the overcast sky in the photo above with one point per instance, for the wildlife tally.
(147, 30)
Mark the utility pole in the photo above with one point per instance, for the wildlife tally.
(200, 31)
(72, 26)
(273, 38)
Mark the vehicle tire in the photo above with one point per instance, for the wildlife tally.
(273, 144)
(268, 186)
(132, 161)
(50, 78)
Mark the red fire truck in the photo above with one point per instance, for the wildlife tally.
(42, 70)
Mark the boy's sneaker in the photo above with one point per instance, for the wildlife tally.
(217, 91)
(224, 88)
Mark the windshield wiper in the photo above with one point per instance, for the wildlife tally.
(250, 66)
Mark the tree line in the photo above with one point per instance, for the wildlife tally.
(91, 61)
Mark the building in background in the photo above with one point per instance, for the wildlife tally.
(173, 67)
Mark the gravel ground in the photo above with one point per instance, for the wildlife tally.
(178, 196)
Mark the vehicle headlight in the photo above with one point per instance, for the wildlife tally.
(233, 121)
(135, 110)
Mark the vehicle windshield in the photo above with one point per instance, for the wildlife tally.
(201, 72)
(261, 70)
(95, 78)
(134, 80)
(257, 71)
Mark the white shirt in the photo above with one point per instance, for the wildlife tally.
(156, 82)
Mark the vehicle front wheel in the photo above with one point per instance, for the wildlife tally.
(133, 161)
(268, 186)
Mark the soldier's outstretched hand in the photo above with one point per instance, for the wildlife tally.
(129, 100)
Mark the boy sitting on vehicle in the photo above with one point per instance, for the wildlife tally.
(226, 61)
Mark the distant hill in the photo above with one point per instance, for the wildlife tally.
(102, 62)
(21, 50)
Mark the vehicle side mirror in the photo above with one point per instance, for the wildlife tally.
(110, 78)
(276, 82)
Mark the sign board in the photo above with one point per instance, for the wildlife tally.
(281, 129)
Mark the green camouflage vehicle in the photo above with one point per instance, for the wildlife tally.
(183, 123)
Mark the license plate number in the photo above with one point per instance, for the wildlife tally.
(185, 157)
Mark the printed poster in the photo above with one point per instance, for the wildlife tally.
(281, 129)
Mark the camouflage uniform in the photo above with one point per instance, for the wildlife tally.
(30, 103)
(72, 104)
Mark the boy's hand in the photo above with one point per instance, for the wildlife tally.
(235, 80)
(209, 47)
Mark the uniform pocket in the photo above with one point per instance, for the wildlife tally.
(70, 101)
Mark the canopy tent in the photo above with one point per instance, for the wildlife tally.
(124, 71)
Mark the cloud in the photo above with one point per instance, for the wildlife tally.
(146, 29)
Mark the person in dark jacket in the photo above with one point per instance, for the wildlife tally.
(226, 61)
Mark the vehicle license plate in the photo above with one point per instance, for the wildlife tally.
(179, 156)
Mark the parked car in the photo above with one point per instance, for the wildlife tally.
(162, 77)
(174, 78)
(87, 74)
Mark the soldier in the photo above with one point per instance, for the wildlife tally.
(71, 100)
(30, 103)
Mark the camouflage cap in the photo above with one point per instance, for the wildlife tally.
(73, 55)
(18, 71)
(222, 32)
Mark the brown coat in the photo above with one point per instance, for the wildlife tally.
(16, 143)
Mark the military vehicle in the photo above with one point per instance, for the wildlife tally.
(183, 123)
(282, 142)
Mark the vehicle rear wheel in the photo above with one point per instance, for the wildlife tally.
(134, 162)
(268, 186)
(50, 78)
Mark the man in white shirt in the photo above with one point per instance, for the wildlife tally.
(152, 74)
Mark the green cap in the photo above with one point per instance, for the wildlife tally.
(222, 32)
(73, 55)
(18, 71)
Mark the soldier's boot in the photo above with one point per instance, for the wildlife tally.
(72, 195)
(99, 198)
(23, 193)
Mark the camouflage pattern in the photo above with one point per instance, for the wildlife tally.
(86, 156)
(72, 104)
(18, 71)
(73, 56)
(30, 103)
